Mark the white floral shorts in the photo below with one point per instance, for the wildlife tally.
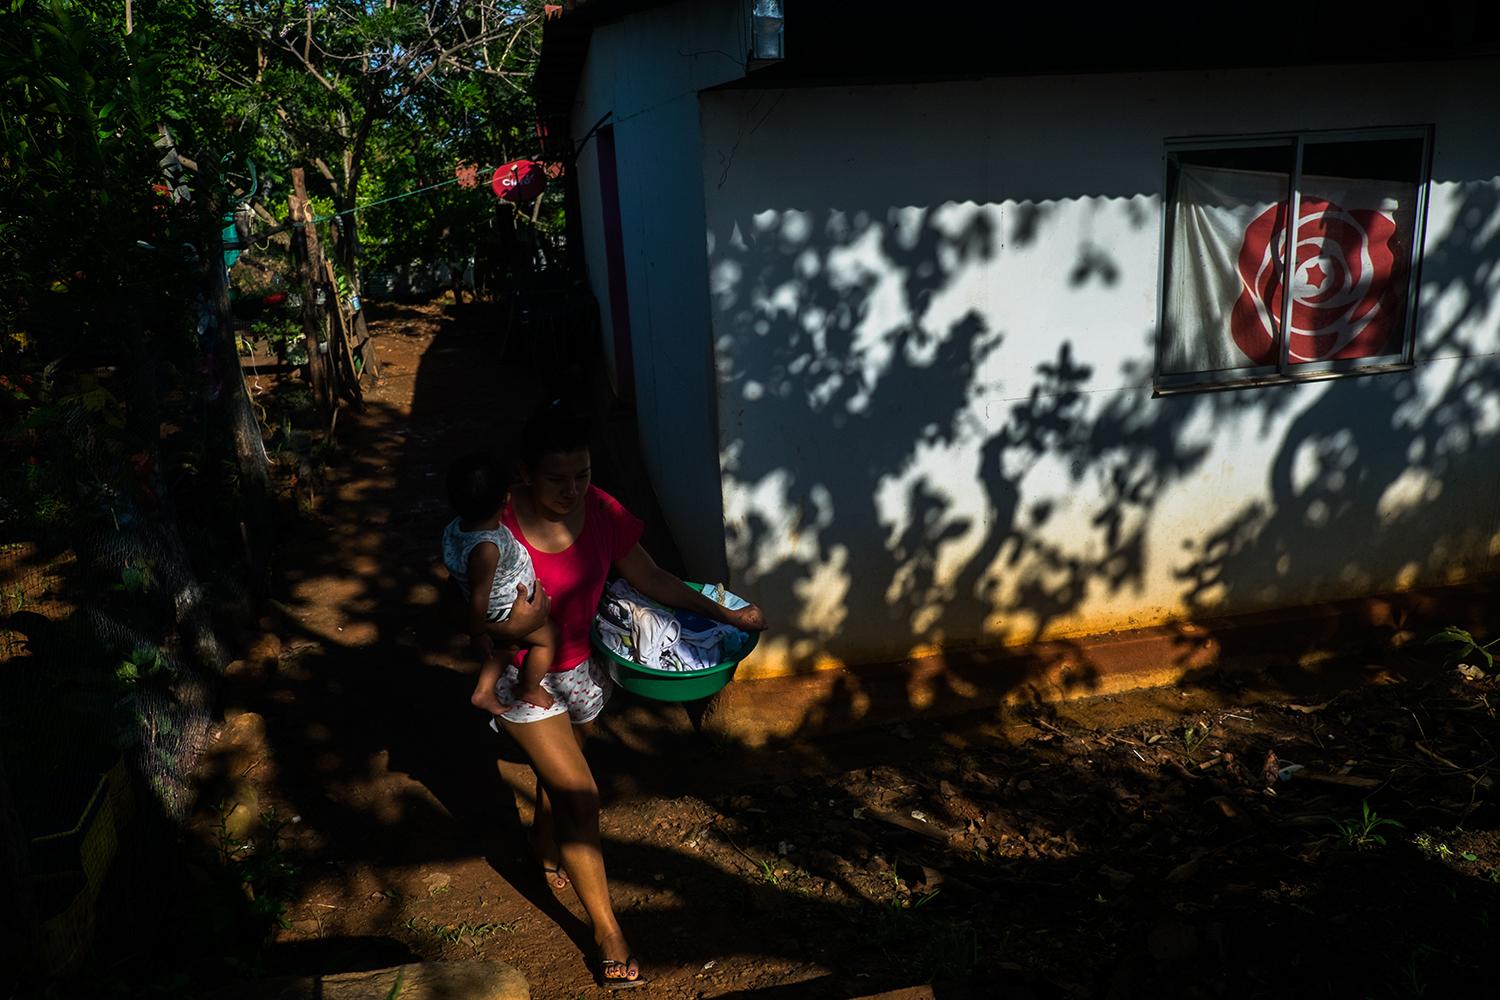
(581, 692)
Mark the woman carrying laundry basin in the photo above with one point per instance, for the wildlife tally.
(576, 534)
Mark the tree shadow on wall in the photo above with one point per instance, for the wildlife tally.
(882, 466)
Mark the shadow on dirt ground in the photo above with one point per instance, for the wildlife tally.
(1202, 841)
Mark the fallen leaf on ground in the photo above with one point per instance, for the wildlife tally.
(1184, 871)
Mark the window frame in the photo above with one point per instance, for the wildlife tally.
(1283, 372)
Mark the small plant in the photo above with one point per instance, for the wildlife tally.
(144, 664)
(1462, 647)
(1360, 832)
(464, 931)
(282, 333)
(1412, 973)
(13, 600)
(1193, 737)
(769, 874)
(261, 866)
(135, 578)
(902, 897)
(1441, 851)
(929, 943)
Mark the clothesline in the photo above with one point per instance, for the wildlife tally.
(285, 226)
(397, 197)
(394, 197)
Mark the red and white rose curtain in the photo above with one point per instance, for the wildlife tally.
(1350, 260)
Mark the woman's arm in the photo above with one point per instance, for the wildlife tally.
(528, 614)
(642, 573)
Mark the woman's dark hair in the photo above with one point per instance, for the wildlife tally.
(558, 427)
(478, 484)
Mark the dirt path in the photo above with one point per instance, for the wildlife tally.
(407, 836)
(1117, 848)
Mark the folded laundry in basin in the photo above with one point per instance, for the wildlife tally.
(637, 628)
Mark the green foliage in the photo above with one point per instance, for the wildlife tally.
(91, 239)
(282, 332)
(375, 100)
(1193, 737)
(477, 120)
(145, 665)
(102, 245)
(464, 930)
(122, 152)
(261, 867)
(136, 578)
(62, 447)
(1462, 647)
(1361, 832)
(381, 100)
(927, 943)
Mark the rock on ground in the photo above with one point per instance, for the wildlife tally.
(417, 981)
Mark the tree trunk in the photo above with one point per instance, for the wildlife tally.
(364, 343)
(309, 257)
(349, 245)
(242, 430)
(361, 341)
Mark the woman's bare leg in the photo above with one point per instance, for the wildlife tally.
(543, 838)
(557, 758)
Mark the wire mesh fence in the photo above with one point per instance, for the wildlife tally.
(108, 670)
(123, 665)
(109, 661)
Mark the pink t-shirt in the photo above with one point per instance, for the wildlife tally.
(574, 578)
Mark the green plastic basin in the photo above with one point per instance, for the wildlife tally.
(672, 685)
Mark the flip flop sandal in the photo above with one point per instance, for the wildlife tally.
(556, 877)
(616, 983)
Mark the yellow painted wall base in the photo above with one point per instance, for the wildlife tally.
(757, 710)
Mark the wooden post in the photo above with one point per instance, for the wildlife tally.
(309, 257)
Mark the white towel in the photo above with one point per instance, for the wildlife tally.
(653, 630)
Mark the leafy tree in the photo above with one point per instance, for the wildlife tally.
(114, 149)
(91, 213)
(356, 87)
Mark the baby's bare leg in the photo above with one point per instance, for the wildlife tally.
(540, 656)
(484, 695)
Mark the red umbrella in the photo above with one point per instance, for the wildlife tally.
(518, 180)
